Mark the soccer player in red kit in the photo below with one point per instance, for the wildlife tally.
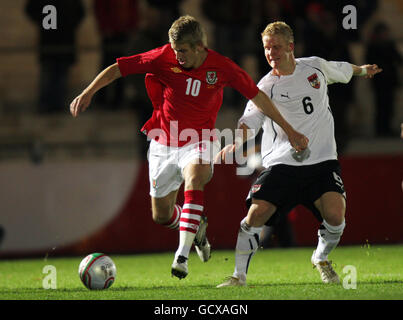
(185, 82)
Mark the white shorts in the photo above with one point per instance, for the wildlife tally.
(166, 164)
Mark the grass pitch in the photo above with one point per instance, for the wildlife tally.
(274, 274)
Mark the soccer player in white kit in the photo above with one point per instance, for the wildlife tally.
(298, 87)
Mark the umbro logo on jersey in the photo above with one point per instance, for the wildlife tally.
(176, 70)
(314, 81)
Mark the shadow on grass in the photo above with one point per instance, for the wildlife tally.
(321, 284)
(185, 287)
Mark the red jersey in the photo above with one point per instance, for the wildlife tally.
(190, 98)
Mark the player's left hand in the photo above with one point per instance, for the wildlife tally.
(372, 69)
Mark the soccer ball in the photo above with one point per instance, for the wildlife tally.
(97, 271)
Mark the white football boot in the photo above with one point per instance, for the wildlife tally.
(327, 273)
(233, 282)
(202, 246)
(179, 267)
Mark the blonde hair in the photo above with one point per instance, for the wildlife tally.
(279, 28)
(187, 29)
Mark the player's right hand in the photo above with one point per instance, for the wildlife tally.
(79, 104)
(298, 141)
(221, 156)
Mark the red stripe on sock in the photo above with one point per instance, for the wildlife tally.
(174, 216)
(197, 222)
(187, 229)
(192, 211)
(194, 197)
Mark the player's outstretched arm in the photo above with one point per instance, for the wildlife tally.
(366, 70)
(105, 77)
(297, 140)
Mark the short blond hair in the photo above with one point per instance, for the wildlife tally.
(187, 29)
(279, 28)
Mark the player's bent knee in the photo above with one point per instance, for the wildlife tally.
(196, 182)
(197, 176)
(259, 212)
(161, 213)
(162, 208)
(335, 228)
(335, 218)
(160, 217)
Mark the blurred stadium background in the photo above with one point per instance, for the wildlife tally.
(72, 186)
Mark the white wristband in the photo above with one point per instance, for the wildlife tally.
(363, 72)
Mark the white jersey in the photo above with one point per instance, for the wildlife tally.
(303, 101)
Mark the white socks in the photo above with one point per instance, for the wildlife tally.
(246, 246)
(329, 237)
(248, 243)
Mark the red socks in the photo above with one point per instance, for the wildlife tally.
(189, 221)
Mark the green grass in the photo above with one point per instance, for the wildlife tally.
(274, 274)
